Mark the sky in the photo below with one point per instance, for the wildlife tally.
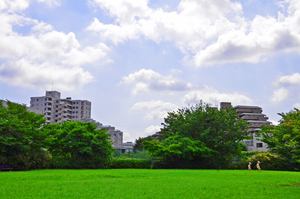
(136, 60)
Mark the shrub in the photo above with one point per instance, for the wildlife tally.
(129, 164)
(27, 161)
(269, 161)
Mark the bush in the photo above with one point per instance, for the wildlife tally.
(269, 161)
(27, 161)
(129, 164)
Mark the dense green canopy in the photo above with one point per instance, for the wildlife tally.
(284, 139)
(200, 132)
(79, 143)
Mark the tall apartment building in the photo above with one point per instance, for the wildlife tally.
(254, 116)
(57, 110)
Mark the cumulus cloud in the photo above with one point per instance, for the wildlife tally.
(150, 130)
(45, 55)
(212, 96)
(286, 87)
(149, 80)
(280, 95)
(156, 110)
(293, 79)
(297, 105)
(51, 2)
(210, 31)
(25, 74)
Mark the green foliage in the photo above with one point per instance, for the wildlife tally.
(284, 139)
(129, 164)
(138, 154)
(78, 145)
(21, 141)
(269, 161)
(200, 133)
(139, 142)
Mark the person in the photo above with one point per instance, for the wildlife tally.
(249, 166)
(257, 166)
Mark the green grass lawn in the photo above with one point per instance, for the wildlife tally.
(131, 183)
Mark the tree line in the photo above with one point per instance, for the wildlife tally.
(197, 136)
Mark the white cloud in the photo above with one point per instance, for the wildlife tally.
(156, 110)
(293, 79)
(297, 105)
(280, 95)
(25, 74)
(213, 31)
(150, 130)
(50, 2)
(212, 96)
(148, 80)
(44, 56)
(12, 6)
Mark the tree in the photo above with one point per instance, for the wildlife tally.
(21, 141)
(139, 142)
(200, 132)
(79, 144)
(284, 139)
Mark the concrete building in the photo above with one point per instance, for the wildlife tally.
(127, 146)
(254, 116)
(57, 110)
(116, 136)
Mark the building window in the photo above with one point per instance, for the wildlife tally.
(259, 145)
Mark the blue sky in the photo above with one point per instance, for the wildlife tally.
(136, 60)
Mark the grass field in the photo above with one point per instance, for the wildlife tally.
(131, 183)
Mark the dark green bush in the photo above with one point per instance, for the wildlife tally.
(27, 161)
(129, 164)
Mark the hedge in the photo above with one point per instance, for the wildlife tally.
(129, 164)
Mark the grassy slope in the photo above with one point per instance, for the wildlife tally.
(149, 184)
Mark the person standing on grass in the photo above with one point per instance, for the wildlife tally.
(249, 166)
(257, 166)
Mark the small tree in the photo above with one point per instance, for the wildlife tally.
(284, 139)
(139, 143)
(79, 144)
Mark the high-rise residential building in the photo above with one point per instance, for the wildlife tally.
(254, 116)
(57, 110)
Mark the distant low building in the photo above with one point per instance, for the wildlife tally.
(127, 146)
(254, 116)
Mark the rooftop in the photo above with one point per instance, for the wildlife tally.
(244, 106)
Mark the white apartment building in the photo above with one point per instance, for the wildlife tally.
(57, 110)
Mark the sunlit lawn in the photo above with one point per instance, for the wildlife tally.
(131, 183)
